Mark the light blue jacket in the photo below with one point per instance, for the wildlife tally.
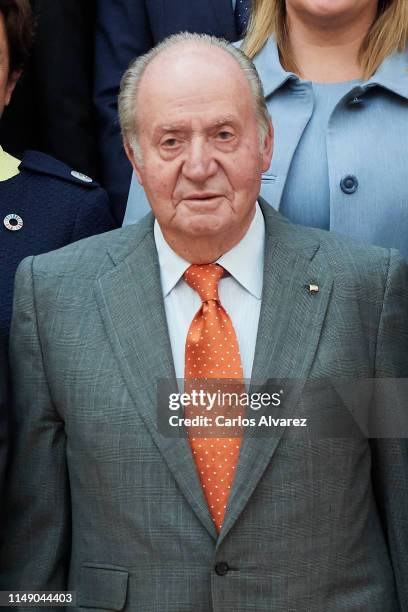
(367, 142)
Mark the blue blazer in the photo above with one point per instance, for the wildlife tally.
(366, 139)
(56, 207)
(126, 29)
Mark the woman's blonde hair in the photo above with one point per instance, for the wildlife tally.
(388, 33)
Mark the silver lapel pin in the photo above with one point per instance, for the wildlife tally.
(313, 288)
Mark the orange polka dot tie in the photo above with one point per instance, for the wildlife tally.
(212, 351)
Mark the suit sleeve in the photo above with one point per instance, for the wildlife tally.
(390, 456)
(93, 215)
(35, 555)
(122, 34)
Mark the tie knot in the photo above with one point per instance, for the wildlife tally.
(204, 279)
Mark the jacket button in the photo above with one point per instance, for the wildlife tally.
(349, 184)
(221, 568)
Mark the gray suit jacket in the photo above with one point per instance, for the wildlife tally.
(104, 504)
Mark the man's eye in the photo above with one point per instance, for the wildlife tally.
(170, 142)
(224, 135)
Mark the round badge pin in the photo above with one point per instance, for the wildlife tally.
(13, 222)
(81, 177)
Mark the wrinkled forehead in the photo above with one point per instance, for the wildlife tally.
(192, 70)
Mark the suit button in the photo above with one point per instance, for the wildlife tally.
(221, 568)
(349, 184)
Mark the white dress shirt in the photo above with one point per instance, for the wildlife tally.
(240, 293)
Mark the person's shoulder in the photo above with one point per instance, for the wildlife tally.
(348, 257)
(345, 258)
(38, 165)
(87, 257)
(50, 194)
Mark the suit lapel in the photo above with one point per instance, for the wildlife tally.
(289, 329)
(131, 305)
(288, 334)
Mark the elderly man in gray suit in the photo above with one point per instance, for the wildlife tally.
(103, 502)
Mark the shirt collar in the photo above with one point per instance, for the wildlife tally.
(392, 74)
(271, 73)
(244, 261)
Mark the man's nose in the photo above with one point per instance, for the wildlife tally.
(200, 162)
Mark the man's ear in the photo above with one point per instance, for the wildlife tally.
(267, 148)
(132, 157)
(12, 82)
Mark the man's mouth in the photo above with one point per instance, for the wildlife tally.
(205, 195)
(202, 203)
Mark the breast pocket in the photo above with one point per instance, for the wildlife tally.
(103, 587)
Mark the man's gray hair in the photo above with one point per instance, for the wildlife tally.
(129, 87)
